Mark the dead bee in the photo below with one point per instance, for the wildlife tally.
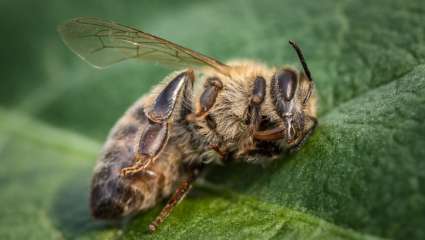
(241, 110)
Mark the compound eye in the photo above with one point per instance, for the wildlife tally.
(286, 84)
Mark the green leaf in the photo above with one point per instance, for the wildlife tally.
(361, 175)
(48, 187)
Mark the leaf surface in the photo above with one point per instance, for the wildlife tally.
(360, 176)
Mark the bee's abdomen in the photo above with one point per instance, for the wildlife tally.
(113, 195)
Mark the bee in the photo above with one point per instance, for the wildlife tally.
(208, 112)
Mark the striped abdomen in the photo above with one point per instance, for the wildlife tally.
(113, 195)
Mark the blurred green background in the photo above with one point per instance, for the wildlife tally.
(362, 174)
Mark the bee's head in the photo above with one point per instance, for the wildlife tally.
(290, 92)
(285, 93)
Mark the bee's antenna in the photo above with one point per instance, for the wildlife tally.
(302, 60)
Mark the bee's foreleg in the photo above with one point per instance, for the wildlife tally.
(154, 135)
(182, 190)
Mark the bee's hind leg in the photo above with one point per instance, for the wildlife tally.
(181, 192)
(154, 135)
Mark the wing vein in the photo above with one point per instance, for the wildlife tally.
(103, 43)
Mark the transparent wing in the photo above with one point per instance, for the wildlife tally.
(102, 43)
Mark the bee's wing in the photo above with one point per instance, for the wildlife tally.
(102, 43)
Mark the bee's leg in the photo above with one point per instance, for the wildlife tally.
(257, 98)
(186, 102)
(252, 116)
(207, 100)
(167, 99)
(154, 135)
(212, 87)
(307, 133)
(137, 167)
(222, 153)
(177, 197)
